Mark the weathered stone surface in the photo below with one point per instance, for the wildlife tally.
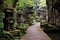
(15, 32)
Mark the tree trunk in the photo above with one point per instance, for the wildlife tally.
(53, 11)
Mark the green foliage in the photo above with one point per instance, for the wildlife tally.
(6, 35)
(23, 29)
(24, 3)
(9, 2)
(38, 18)
(24, 26)
(43, 3)
(31, 20)
(1, 25)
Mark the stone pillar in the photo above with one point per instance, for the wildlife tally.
(30, 15)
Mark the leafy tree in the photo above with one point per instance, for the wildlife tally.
(43, 3)
(24, 3)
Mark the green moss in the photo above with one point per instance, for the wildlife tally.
(24, 26)
(1, 25)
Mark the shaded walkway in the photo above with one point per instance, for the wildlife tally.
(34, 33)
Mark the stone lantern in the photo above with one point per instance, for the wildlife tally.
(20, 17)
(9, 19)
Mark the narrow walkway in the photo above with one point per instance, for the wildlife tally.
(34, 33)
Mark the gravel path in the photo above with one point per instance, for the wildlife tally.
(34, 33)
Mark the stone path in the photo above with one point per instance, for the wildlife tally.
(34, 33)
